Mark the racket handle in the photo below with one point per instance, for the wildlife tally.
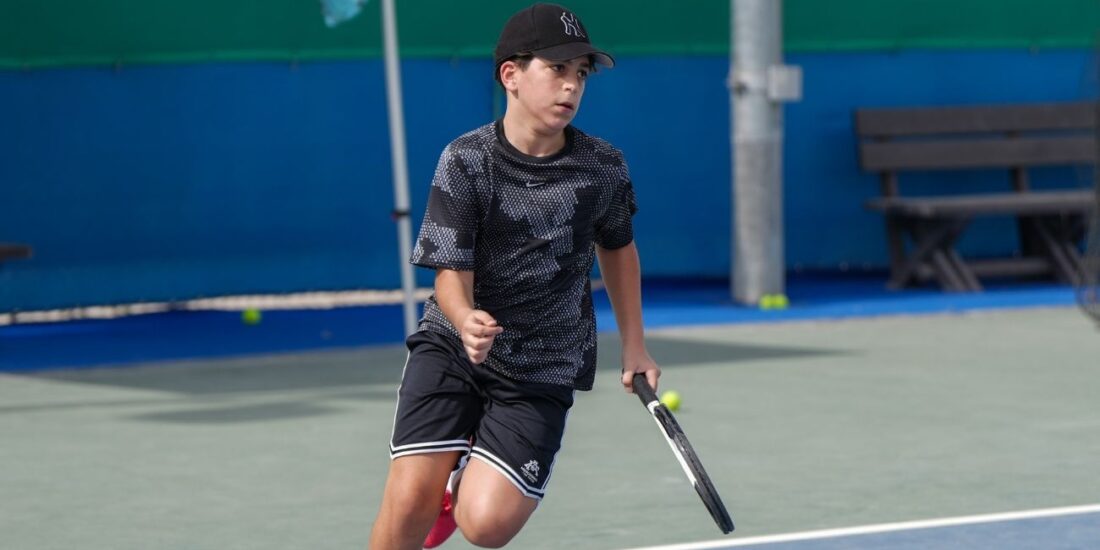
(643, 390)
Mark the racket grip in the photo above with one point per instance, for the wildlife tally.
(642, 389)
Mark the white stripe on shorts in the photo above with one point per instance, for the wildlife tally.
(499, 465)
(431, 447)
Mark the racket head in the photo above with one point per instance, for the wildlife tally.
(686, 454)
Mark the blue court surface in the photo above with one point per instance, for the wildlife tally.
(1070, 528)
(203, 334)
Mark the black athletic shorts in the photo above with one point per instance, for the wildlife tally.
(446, 403)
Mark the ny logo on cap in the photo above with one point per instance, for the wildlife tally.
(572, 26)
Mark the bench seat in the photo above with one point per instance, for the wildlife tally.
(1035, 203)
(922, 231)
(15, 251)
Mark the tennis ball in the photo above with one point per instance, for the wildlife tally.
(671, 399)
(780, 301)
(770, 302)
(251, 316)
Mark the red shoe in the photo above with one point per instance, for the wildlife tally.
(444, 525)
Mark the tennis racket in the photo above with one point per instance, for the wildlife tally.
(689, 461)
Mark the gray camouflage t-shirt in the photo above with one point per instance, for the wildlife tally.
(526, 227)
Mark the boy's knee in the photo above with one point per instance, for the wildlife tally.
(487, 526)
(488, 535)
(412, 504)
(417, 505)
(415, 484)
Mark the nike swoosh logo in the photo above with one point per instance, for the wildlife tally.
(533, 243)
(536, 183)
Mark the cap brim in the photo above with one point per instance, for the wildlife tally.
(573, 50)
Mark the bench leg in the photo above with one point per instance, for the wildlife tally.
(954, 274)
(948, 278)
(1063, 255)
(895, 240)
(909, 266)
(969, 279)
(934, 246)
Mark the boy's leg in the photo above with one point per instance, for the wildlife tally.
(438, 408)
(490, 509)
(513, 454)
(411, 501)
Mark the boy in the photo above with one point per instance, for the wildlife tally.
(517, 211)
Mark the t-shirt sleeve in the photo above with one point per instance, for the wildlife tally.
(449, 229)
(616, 228)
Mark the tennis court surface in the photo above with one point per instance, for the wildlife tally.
(827, 423)
(1067, 528)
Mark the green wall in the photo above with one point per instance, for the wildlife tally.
(94, 32)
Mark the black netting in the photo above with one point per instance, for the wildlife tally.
(1088, 292)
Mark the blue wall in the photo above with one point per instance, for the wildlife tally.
(169, 182)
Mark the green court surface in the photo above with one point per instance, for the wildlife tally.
(804, 425)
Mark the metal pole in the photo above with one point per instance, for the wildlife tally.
(757, 120)
(400, 164)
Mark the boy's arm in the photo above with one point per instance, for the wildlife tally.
(622, 276)
(454, 292)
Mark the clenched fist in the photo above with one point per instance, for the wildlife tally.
(478, 331)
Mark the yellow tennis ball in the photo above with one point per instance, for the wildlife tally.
(671, 399)
(251, 316)
(771, 302)
(767, 301)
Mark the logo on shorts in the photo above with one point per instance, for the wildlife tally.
(531, 471)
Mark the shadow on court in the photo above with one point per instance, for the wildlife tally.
(375, 366)
(366, 374)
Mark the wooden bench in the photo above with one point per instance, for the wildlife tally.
(14, 251)
(922, 231)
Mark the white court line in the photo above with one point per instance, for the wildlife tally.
(881, 528)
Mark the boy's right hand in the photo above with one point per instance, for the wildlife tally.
(478, 331)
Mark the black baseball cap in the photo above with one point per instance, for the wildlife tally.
(548, 31)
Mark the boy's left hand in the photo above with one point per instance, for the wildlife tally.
(638, 361)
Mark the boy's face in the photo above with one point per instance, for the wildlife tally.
(548, 93)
